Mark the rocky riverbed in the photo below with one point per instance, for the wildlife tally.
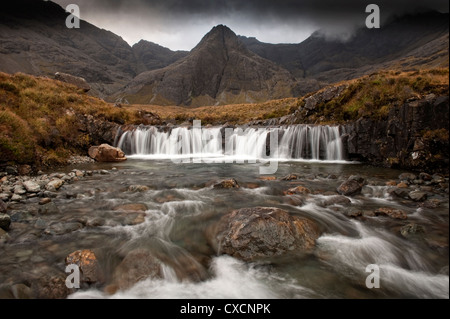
(154, 223)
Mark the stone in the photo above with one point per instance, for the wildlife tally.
(336, 200)
(19, 190)
(402, 185)
(54, 185)
(229, 183)
(32, 187)
(418, 196)
(107, 153)
(63, 228)
(290, 177)
(250, 234)
(350, 187)
(16, 198)
(138, 188)
(45, 201)
(88, 264)
(300, 190)
(407, 177)
(3, 207)
(431, 203)
(412, 230)
(138, 265)
(391, 212)
(268, 178)
(425, 176)
(3, 236)
(5, 221)
(49, 209)
(74, 80)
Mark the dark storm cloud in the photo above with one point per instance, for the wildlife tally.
(181, 23)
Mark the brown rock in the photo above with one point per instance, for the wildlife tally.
(138, 265)
(402, 185)
(107, 153)
(228, 183)
(268, 178)
(297, 190)
(260, 232)
(391, 212)
(3, 207)
(88, 263)
(290, 177)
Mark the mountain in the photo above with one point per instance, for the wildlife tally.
(152, 56)
(219, 70)
(405, 38)
(35, 40)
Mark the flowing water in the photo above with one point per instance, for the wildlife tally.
(182, 203)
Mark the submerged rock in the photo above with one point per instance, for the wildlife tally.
(260, 232)
(301, 190)
(412, 230)
(139, 264)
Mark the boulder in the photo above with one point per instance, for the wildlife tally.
(260, 232)
(54, 185)
(139, 264)
(107, 153)
(74, 80)
(350, 187)
(87, 262)
(418, 196)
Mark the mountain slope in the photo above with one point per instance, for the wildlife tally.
(35, 40)
(219, 70)
(316, 56)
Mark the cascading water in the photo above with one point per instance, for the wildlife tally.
(304, 142)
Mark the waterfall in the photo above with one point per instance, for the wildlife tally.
(304, 142)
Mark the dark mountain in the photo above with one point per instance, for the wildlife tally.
(35, 40)
(335, 60)
(219, 70)
(152, 56)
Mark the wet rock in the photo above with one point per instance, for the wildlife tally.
(391, 183)
(19, 190)
(32, 187)
(3, 236)
(425, 176)
(253, 233)
(131, 207)
(400, 192)
(45, 201)
(412, 230)
(138, 265)
(54, 185)
(3, 207)
(268, 178)
(350, 187)
(354, 213)
(5, 196)
(336, 200)
(88, 264)
(290, 177)
(300, 190)
(138, 188)
(62, 228)
(51, 286)
(391, 212)
(418, 196)
(402, 185)
(437, 179)
(49, 209)
(431, 203)
(407, 177)
(107, 153)
(5, 221)
(228, 183)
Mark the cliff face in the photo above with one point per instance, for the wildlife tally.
(414, 136)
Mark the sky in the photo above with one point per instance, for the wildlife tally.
(181, 24)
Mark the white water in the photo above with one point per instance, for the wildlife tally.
(301, 142)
